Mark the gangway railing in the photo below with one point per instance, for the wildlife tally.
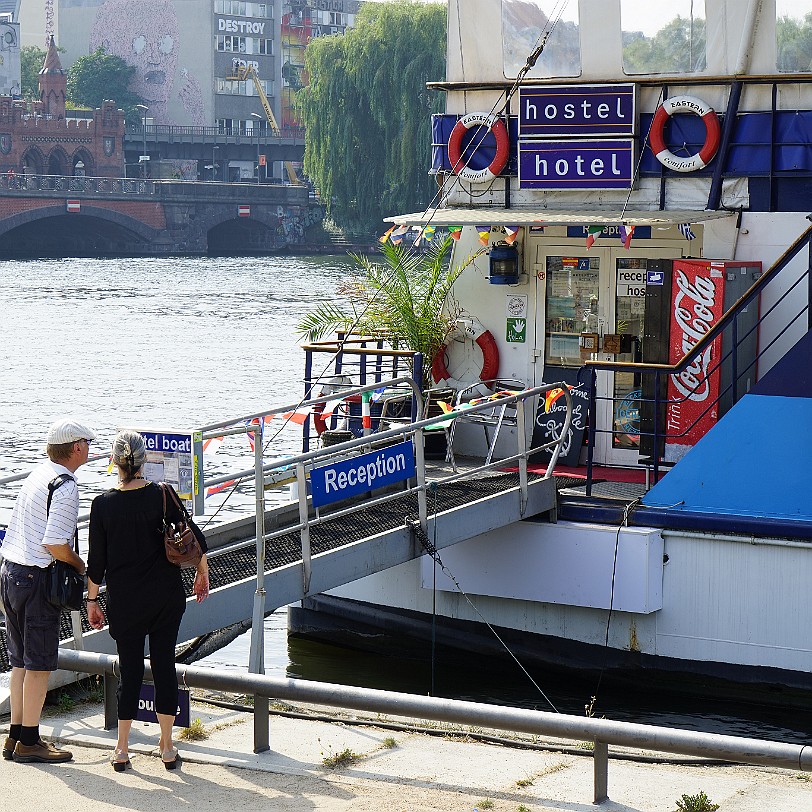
(601, 732)
(785, 319)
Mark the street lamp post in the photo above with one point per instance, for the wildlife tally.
(144, 156)
(258, 118)
(214, 150)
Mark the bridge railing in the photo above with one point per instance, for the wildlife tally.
(168, 132)
(12, 182)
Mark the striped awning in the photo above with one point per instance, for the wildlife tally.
(525, 217)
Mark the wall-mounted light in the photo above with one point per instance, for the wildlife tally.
(504, 264)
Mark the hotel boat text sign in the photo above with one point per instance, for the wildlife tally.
(355, 476)
(577, 137)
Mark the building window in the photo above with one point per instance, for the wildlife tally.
(524, 23)
(238, 87)
(265, 47)
(669, 39)
(237, 8)
(793, 32)
(336, 18)
(228, 42)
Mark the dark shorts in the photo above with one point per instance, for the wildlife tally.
(32, 624)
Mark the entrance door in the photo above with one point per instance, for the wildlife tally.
(591, 306)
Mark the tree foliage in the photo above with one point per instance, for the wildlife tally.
(794, 41)
(678, 47)
(368, 113)
(99, 76)
(31, 59)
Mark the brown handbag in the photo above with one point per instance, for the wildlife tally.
(182, 547)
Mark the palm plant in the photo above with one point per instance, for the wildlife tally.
(400, 298)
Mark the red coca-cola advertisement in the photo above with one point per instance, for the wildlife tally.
(697, 304)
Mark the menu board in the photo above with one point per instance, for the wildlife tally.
(551, 414)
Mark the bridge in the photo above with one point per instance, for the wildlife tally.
(52, 215)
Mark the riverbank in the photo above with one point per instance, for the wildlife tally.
(386, 766)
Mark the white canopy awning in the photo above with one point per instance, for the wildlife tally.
(535, 217)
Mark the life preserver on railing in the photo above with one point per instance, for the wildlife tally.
(471, 328)
(684, 104)
(319, 423)
(500, 159)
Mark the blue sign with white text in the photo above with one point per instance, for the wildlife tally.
(332, 483)
(640, 232)
(576, 164)
(577, 111)
(146, 706)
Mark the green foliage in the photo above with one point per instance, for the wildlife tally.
(401, 299)
(678, 47)
(343, 759)
(99, 76)
(31, 59)
(696, 803)
(195, 732)
(794, 42)
(368, 113)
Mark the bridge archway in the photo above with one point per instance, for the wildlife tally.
(33, 161)
(244, 235)
(85, 158)
(50, 231)
(58, 162)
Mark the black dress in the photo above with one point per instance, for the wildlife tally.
(144, 591)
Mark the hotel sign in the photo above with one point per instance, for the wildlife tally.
(580, 111)
(576, 164)
(562, 131)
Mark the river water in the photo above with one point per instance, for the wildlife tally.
(177, 343)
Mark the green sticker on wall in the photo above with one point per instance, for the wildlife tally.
(516, 331)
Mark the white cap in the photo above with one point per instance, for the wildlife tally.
(69, 431)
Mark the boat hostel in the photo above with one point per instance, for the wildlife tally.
(617, 211)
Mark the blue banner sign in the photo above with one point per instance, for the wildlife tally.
(640, 232)
(167, 443)
(332, 483)
(146, 706)
(580, 111)
(576, 164)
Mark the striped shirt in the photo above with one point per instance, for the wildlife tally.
(30, 528)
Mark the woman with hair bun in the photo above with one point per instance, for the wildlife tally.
(145, 595)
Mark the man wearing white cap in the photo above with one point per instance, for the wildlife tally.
(36, 536)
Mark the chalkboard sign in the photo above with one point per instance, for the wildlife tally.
(551, 413)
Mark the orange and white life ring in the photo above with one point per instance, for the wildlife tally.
(470, 328)
(499, 162)
(685, 104)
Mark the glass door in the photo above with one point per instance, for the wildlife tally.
(592, 306)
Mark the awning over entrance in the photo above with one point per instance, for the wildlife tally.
(535, 217)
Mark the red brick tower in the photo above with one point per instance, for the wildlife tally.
(53, 83)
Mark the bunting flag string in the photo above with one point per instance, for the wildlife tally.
(686, 231)
(484, 234)
(213, 445)
(455, 232)
(592, 233)
(625, 234)
(298, 416)
(384, 237)
(512, 232)
(396, 237)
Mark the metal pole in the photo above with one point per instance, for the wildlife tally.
(600, 772)
(521, 431)
(301, 479)
(256, 657)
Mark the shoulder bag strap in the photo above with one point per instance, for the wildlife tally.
(56, 482)
(162, 486)
(181, 507)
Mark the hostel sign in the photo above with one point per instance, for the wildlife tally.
(577, 137)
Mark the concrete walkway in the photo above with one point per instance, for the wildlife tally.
(401, 771)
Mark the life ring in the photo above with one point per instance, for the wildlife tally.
(469, 327)
(499, 162)
(319, 423)
(684, 104)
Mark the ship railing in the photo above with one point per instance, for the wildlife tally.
(785, 319)
(600, 732)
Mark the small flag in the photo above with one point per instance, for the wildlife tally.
(428, 233)
(484, 234)
(685, 230)
(299, 415)
(396, 237)
(243, 210)
(213, 445)
(219, 488)
(625, 235)
(74, 206)
(592, 233)
(250, 435)
(455, 232)
(419, 236)
(512, 232)
(382, 239)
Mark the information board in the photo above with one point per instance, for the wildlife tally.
(551, 413)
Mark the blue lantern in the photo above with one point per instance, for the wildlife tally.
(504, 264)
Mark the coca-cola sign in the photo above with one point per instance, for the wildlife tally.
(696, 306)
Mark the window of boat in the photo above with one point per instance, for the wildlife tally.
(525, 24)
(663, 37)
(793, 35)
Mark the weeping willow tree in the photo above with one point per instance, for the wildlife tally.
(368, 113)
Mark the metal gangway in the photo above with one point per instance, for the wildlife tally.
(283, 555)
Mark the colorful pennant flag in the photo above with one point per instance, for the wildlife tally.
(219, 488)
(299, 415)
(383, 238)
(419, 236)
(592, 233)
(428, 233)
(484, 234)
(213, 445)
(625, 233)
(250, 435)
(455, 232)
(512, 232)
(685, 230)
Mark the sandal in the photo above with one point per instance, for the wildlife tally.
(171, 758)
(120, 759)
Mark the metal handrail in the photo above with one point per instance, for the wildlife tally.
(727, 321)
(602, 732)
